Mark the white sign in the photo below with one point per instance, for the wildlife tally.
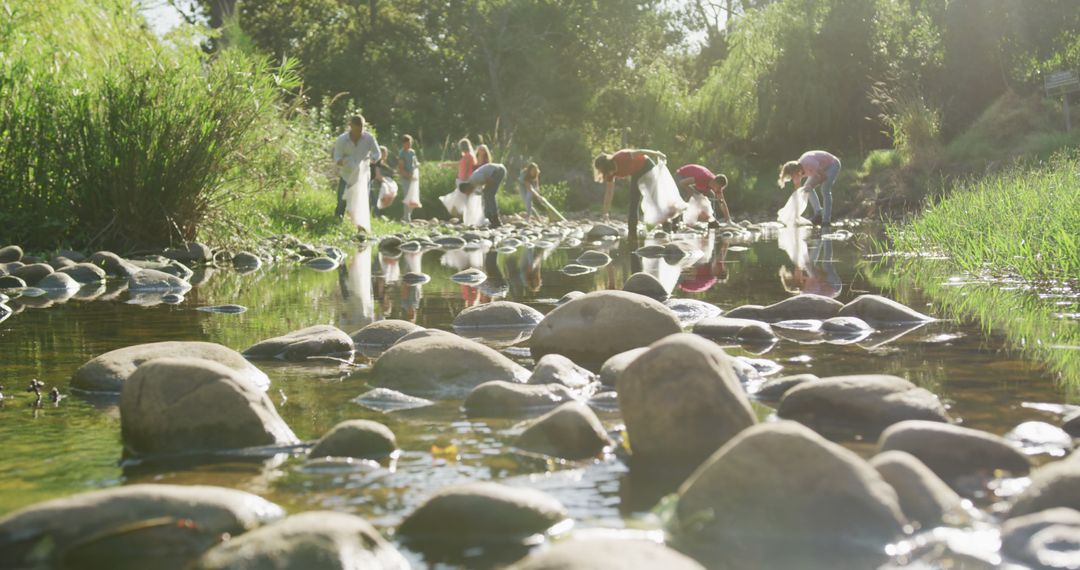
(1062, 80)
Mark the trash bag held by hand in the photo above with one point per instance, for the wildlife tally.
(387, 192)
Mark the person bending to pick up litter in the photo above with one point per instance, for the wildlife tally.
(489, 176)
(813, 169)
(701, 182)
(652, 189)
(529, 181)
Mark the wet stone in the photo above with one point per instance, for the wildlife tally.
(501, 399)
(319, 340)
(954, 452)
(571, 431)
(1036, 438)
(356, 438)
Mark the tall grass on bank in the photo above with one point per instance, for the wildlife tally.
(124, 141)
(1023, 221)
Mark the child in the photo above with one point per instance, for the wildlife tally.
(817, 168)
(382, 179)
(530, 182)
(469, 207)
(483, 155)
(409, 168)
(701, 181)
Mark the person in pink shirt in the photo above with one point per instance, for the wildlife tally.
(700, 179)
(816, 168)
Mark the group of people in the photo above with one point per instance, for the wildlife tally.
(366, 182)
(367, 185)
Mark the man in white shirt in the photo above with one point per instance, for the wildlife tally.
(350, 149)
(488, 176)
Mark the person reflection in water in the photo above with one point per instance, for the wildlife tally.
(712, 270)
(818, 276)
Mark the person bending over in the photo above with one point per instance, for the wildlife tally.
(489, 177)
(815, 168)
(699, 179)
(626, 163)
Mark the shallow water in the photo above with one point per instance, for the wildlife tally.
(57, 450)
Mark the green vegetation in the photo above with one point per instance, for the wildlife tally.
(1022, 221)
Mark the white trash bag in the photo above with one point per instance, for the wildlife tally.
(387, 192)
(698, 209)
(660, 199)
(412, 191)
(791, 214)
(357, 202)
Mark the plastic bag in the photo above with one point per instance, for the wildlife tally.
(357, 202)
(791, 214)
(412, 191)
(698, 209)
(660, 199)
(387, 192)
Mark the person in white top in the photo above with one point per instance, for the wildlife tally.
(354, 150)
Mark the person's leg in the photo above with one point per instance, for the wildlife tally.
(491, 205)
(526, 196)
(634, 210)
(826, 190)
(408, 215)
(814, 202)
(373, 196)
(340, 211)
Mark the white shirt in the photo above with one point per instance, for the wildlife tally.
(351, 154)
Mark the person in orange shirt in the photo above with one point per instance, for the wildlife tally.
(627, 163)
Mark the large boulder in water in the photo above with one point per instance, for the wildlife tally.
(113, 264)
(609, 372)
(681, 400)
(730, 328)
(383, 333)
(498, 314)
(881, 312)
(127, 527)
(58, 283)
(10, 253)
(322, 540)
(779, 495)
(33, 273)
(863, 404)
(109, 371)
(443, 365)
(84, 273)
(607, 554)
(952, 451)
(180, 405)
(356, 438)
(318, 340)
(804, 306)
(1052, 486)
(500, 399)
(571, 431)
(923, 496)
(192, 252)
(150, 280)
(481, 513)
(598, 325)
(603, 231)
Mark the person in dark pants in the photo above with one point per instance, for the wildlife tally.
(627, 163)
(489, 176)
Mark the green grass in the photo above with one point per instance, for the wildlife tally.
(1021, 222)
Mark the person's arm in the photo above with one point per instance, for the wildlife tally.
(723, 206)
(375, 156)
(609, 192)
(339, 153)
(687, 184)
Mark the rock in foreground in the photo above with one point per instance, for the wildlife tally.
(481, 513)
(108, 372)
(607, 554)
(443, 365)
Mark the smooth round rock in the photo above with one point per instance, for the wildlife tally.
(192, 252)
(10, 253)
(470, 276)
(108, 372)
(150, 280)
(860, 404)
(322, 264)
(878, 311)
(774, 390)
(747, 312)
(84, 273)
(607, 554)
(845, 326)
(1044, 540)
(569, 297)
(11, 282)
(778, 495)
(602, 231)
(443, 365)
(482, 513)
(594, 258)
(58, 282)
(383, 333)
(500, 399)
(33, 273)
(498, 314)
(729, 328)
(802, 307)
(183, 405)
(645, 284)
(58, 262)
(681, 400)
(1035, 438)
(323, 540)
(598, 325)
(113, 264)
(953, 451)
(318, 340)
(571, 431)
(356, 438)
(129, 527)
(558, 369)
(1053, 485)
(923, 496)
(614, 366)
(425, 333)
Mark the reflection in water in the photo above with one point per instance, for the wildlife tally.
(814, 268)
(710, 269)
(355, 282)
(412, 293)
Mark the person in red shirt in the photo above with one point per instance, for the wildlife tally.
(627, 163)
(698, 178)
